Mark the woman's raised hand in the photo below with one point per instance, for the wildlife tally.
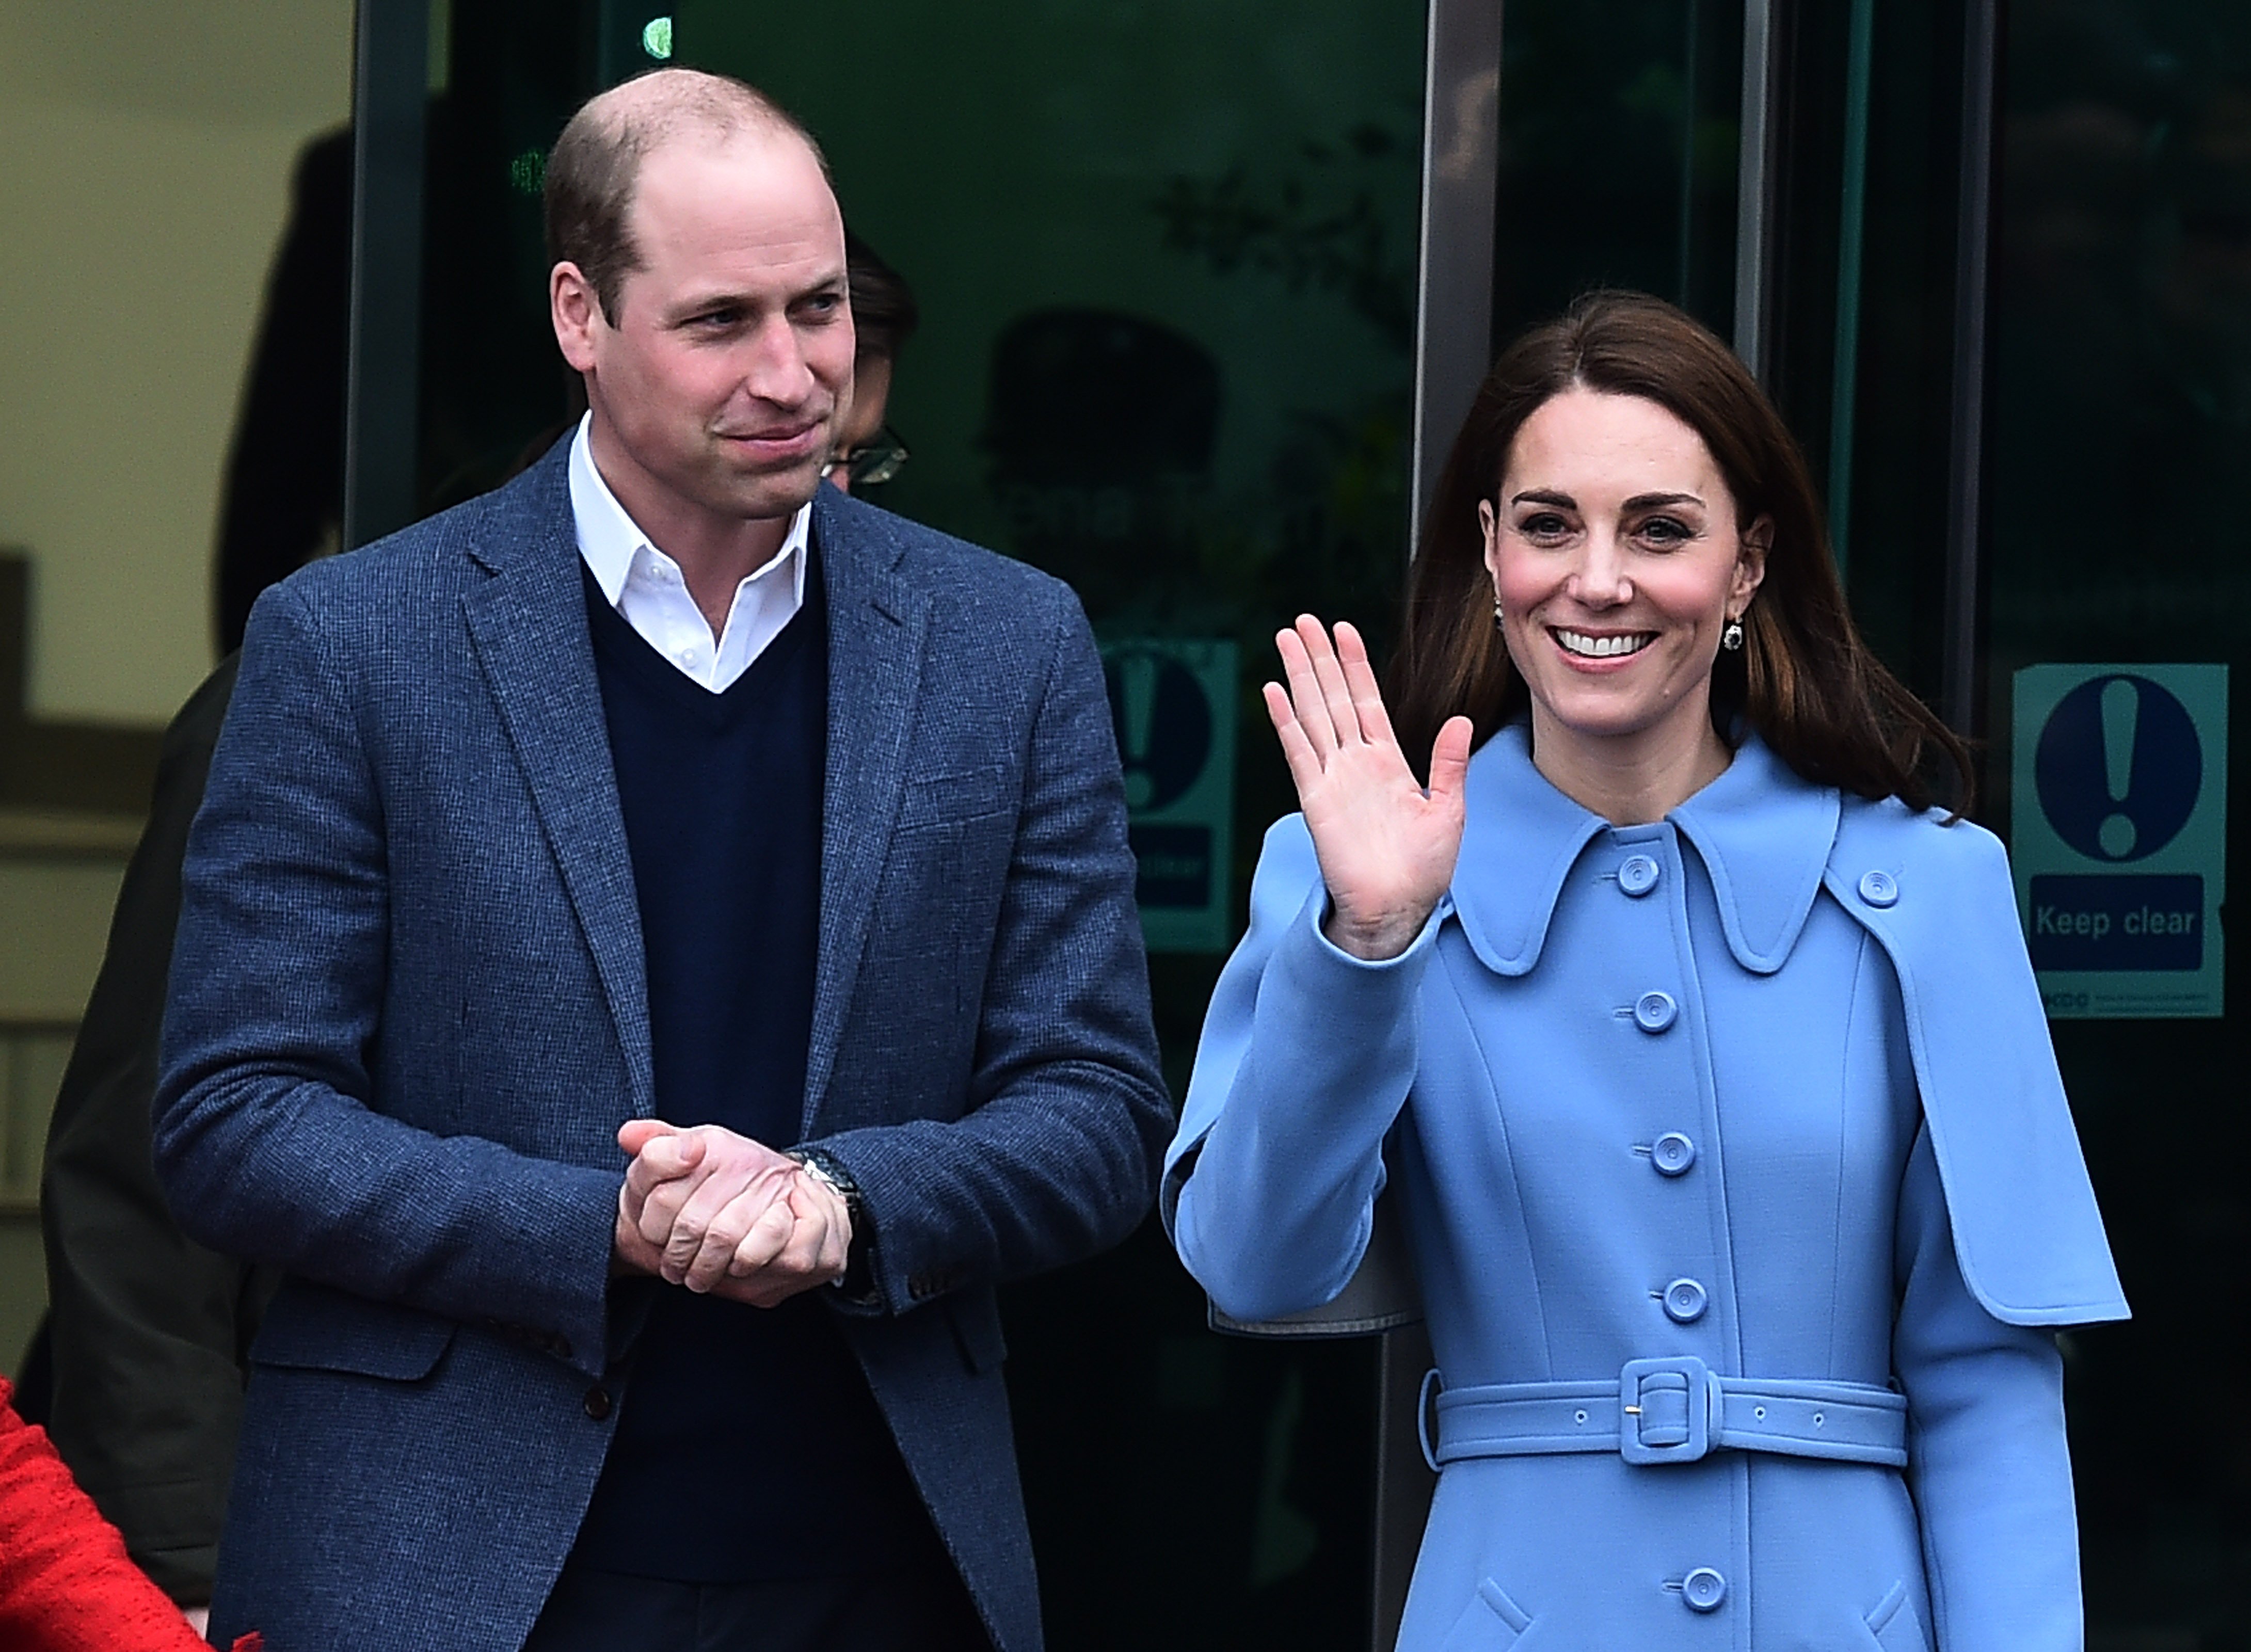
(1387, 847)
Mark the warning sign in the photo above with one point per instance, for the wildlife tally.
(1173, 702)
(2119, 839)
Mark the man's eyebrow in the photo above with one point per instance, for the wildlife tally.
(704, 303)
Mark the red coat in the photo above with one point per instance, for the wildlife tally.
(65, 1584)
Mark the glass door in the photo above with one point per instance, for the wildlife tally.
(2012, 285)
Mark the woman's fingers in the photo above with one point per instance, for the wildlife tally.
(1328, 674)
(1306, 699)
(1449, 760)
(1360, 682)
(1297, 750)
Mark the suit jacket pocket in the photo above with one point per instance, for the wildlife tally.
(959, 794)
(312, 1328)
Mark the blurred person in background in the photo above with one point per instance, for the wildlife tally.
(884, 315)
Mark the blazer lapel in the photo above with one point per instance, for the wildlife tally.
(877, 627)
(529, 623)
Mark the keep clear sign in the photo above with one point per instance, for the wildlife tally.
(2120, 814)
(1173, 700)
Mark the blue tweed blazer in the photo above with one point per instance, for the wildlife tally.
(408, 1013)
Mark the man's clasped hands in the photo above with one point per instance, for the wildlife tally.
(717, 1211)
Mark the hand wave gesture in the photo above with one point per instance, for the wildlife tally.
(1387, 847)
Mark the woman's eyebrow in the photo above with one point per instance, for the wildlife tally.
(1545, 496)
(1652, 501)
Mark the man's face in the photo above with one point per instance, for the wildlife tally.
(716, 394)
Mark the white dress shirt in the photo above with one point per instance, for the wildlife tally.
(645, 585)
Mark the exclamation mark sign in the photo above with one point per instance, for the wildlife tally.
(1137, 692)
(2121, 707)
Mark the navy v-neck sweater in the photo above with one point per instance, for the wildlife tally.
(748, 1446)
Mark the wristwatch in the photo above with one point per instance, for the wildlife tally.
(857, 1283)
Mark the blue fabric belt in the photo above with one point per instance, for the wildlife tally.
(1660, 1411)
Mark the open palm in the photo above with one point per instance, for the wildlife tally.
(1387, 847)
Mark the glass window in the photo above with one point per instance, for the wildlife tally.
(2121, 437)
(1618, 156)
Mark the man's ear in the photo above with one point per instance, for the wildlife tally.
(576, 310)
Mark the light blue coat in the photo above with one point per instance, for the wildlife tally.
(1761, 1094)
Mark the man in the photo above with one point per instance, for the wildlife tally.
(661, 801)
(149, 1330)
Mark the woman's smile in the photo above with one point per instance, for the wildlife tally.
(1603, 645)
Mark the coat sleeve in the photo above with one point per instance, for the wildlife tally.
(1055, 1156)
(265, 1140)
(149, 1326)
(1987, 1459)
(1305, 1061)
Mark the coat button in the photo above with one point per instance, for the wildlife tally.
(597, 1402)
(1879, 889)
(1703, 1589)
(1672, 1154)
(1637, 875)
(1685, 1301)
(1654, 1012)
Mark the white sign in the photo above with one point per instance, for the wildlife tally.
(2120, 837)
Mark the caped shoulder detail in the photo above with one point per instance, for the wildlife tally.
(1939, 901)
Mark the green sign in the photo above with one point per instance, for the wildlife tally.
(2119, 816)
(1172, 702)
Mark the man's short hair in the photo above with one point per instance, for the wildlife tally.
(595, 166)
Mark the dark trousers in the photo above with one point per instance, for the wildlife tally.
(921, 1606)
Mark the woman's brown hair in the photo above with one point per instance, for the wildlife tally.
(1804, 680)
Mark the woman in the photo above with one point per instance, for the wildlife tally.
(65, 1584)
(1733, 1158)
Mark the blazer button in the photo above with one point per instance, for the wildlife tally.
(1654, 1012)
(597, 1402)
(1638, 875)
(1672, 1154)
(1685, 1301)
(1703, 1589)
(1879, 889)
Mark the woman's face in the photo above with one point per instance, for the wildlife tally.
(1617, 562)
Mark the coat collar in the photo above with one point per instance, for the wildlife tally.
(1762, 834)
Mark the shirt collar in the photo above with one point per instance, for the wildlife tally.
(609, 539)
(1762, 834)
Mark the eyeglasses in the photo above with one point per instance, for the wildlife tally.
(882, 457)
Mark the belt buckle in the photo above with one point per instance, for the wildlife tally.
(1667, 1421)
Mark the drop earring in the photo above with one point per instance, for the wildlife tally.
(1496, 615)
(1732, 638)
